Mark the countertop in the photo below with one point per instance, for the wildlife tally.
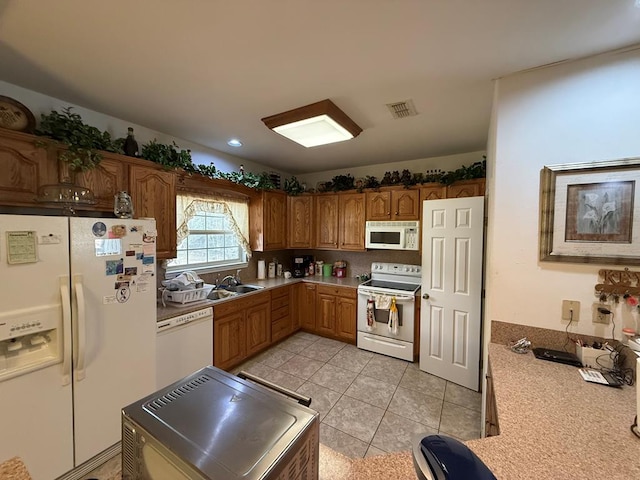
(174, 310)
(553, 424)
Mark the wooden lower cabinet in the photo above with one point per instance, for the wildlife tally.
(241, 328)
(281, 312)
(306, 306)
(229, 344)
(336, 312)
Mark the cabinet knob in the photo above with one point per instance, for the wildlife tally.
(396, 213)
(425, 296)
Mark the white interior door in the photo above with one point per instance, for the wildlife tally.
(450, 323)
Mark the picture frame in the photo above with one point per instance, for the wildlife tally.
(590, 212)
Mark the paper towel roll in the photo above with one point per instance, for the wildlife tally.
(261, 270)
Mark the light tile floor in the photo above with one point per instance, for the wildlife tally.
(369, 404)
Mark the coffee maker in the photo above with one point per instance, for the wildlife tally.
(301, 265)
(298, 267)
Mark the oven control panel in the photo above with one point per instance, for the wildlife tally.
(396, 269)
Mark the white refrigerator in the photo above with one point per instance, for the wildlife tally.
(77, 335)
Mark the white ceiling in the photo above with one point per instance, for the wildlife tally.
(209, 70)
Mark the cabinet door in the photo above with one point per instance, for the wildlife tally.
(433, 192)
(25, 167)
(466, 188)
(154, 195)
(306, 307)
(378, 205)
(275, 208)
(325, 314)
(107, 179)
(406, 204)
(268, 221)
(258, 328)
(300, 213)
(327, 221)
(346, 318)
(352, 221)
(229, 340)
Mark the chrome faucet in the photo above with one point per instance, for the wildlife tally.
(231, 281)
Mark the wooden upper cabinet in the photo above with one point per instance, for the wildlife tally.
(300, 215)
(466, 188)
(153, 192)
(268, 221)
(352, 221)
(327, 221)
(405, 204)
(379, 205)
(25, 167)
(105, 180)
(434, 191)
(393, 204)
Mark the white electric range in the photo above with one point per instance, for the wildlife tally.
(389, 281)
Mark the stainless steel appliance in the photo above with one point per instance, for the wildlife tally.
(392, 235)
(213, 425)
(389, 281)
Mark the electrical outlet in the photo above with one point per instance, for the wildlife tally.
(599, 315)
(571, 310)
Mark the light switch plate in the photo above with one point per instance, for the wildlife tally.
(567, 307)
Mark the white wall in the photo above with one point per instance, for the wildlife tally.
(583, 111)
(422, 165)
(39, 103)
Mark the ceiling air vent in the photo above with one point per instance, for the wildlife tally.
(402, 109)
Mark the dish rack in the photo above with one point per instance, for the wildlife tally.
(186, 296)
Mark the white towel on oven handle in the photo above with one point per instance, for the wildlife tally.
(383, 302)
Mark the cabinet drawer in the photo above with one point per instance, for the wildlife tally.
(279, 292)
(279, 302)
(337, 291)
(280, 329)
(277, 314)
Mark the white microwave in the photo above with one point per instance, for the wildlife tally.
(391, 235)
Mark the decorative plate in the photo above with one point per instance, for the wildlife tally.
(15, 116)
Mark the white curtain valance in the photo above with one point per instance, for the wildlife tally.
(236, 209)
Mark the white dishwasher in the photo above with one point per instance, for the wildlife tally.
(185, 344)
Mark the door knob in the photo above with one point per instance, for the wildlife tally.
(425, 296)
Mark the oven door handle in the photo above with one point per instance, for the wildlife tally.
(301, 399)
(399, 298)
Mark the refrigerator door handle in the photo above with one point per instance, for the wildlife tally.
(65, 298)
(81, 330)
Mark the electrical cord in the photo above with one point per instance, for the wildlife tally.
(634, 427)
(566, 331)
(618, 371)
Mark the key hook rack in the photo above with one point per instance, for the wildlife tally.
(618, 283)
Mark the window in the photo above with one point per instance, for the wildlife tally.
(212, 233)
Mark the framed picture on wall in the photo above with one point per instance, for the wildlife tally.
(588, 212)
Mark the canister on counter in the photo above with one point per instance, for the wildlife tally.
(272, 270)
(319, 266)
(327, 270)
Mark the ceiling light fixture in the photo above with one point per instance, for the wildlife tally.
(234, 142)
(317, 124)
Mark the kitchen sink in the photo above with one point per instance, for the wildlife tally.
(232, 291)
(220, 294)
(243, 288)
